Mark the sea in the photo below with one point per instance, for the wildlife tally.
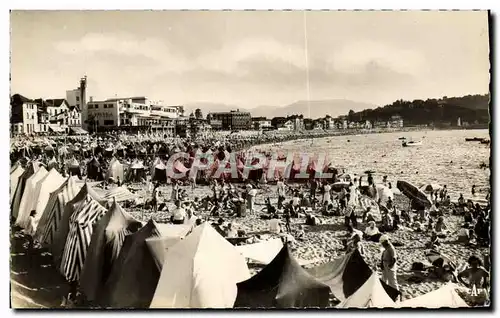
(444, 157)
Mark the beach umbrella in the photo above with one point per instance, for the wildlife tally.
(413, 193)
(430, 187)
(338, 186)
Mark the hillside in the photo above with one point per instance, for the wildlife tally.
(470, 108)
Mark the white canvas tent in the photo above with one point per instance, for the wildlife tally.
(170, 235)
(262, 252)
(370, 295)
(52, 181)
(200, 271)
(28, 199)
(115, 170)
(444, 297)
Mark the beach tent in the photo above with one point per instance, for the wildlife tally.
(370, 295)
(52, 181)
(282, 284)
(134, 276)
(74, 167)
(346, 274)
(94, 170)
(30, 170)
(105, 244)
(200, 271)
(444, 297)
(384, 193)
(61, 234)
(28, 200)
(261, 252)
(159, 171)
(115, 170)
(51, 217)
(52, 163)
(81, 226)
(170, 235)
(15, 174)
(136, 172)
(119, 194)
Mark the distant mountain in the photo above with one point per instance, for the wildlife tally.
(318, 108)
(470, 108)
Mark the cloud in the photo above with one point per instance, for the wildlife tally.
(354, 57)
(125, 45)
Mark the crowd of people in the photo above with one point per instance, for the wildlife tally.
(362, 205)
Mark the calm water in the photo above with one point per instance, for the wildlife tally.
(444, 157)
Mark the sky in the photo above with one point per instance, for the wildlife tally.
(250, 58)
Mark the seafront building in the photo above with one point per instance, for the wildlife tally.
(232, 120)
(133, 114)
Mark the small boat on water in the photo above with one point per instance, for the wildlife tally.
(402, 138)
(474, 139)
(412, 143)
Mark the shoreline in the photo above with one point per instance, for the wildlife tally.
(349, 132)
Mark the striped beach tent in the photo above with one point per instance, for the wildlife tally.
(61, 234)
(28, 200)
(81, 226)
(15, 173)
(30, 170)
(51, 217)
(119, 194)
(105, 245)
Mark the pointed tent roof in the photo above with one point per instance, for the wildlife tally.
(107, 239)
(81, 226)
(63, 230)
(15, 174)
(52, 181)
(51, 217)
(31, 168)
(282, 284)
(134, 276)
(29, 198)
(170, 235)
(346, 274)
(200, 271)
(444, 297)
(370, 295)
(119, 194)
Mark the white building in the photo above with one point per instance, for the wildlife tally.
(132, 112)
(23, 119)
(78, 98)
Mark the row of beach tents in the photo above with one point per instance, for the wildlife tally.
(120, 262)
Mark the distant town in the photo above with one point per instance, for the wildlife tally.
(78, 114)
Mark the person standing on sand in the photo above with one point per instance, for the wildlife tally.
(326, 193)
(30, 232)
(389, 266)
(281, 187)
